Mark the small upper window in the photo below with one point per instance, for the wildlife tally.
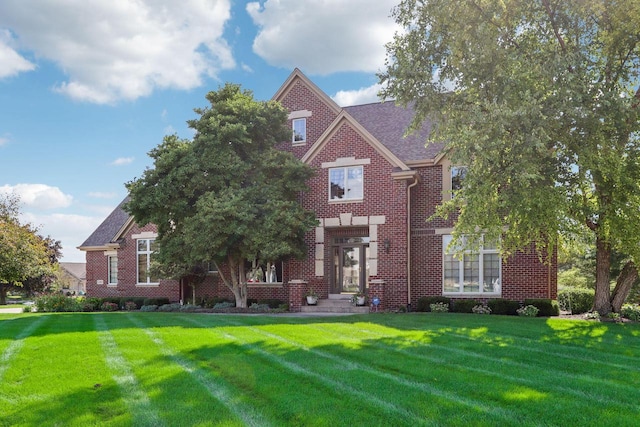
(299, 130)
(457, 176)
(346, 183)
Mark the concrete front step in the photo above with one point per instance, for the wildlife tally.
(334, 304)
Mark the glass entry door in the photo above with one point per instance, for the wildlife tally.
(350, 265)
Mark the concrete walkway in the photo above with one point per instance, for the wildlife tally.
(11, 310)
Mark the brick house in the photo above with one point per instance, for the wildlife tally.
(373, 191)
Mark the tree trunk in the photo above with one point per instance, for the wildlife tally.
(602, 300)
(3, 294)
(625, 281)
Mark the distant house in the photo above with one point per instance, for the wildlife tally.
(373, 191)
(74, 277)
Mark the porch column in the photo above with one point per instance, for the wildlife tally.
(297, 289)
(376, 289)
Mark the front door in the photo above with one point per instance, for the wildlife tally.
(350, 265)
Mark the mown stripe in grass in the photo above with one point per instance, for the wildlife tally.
(215, 389)
(14, 347)
(134, 397)
(348, 388)
(394, 378)
(548, 377)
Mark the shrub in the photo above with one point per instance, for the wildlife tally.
(112, 300)
(546, 307)
(188, 308)
(464, 305)
(149, 308)
(89, 306)
(130, 306)
(156, 301)
(592, 315)
(439, 307)
(259, 307)
(271, 302)
(58, 303)
(481, 309)
(424, 303)
(138, 301)
(109, 306)
(576, 301)
(503, 306)
(223, 305)
(211, 302)
(528, 311)
(631, 311)
(26, 309)
(170, 307)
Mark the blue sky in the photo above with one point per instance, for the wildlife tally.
(88, 87)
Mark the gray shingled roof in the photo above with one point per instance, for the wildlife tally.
(106, 232)
(388, 122)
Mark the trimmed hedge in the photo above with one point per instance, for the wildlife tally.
(424, 303)
(156, 301)
(576, 300)
(547, 307)
(503, 306)
(464, 305)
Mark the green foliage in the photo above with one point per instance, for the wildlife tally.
(503, 306)
(463, 305)
(631, 311)
(170, 307)
(540, 103)
(573, 278)
(424, 303)
(439, 307)
(156, 301)
(223, 305)
(58, 303)
(528, 311)
(481, 309)
(227, 196)
(109, 306)
(148, 308)
(576, 301)
(546, 307)
(130, 306)
(271, 302)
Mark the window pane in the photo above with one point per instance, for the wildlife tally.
(142, 268)
(457, 176)
(471, 273)
(491, 273)
(113, 269)
(142, 245)
(451, 274)
(299, 130)
(354, 183)
(336, 181)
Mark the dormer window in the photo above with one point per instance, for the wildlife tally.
(299, 130)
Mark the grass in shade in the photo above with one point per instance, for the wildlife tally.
(155, 369)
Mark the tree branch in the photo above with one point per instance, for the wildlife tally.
(550, 13)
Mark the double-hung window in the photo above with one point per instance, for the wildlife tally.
(471, 272)
(299, 130)
(112, 261)
(457, 176)
(145, 249)
(346, 183)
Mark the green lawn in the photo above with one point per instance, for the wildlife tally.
(176, 369)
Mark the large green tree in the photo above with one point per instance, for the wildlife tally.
(23, 254)
(228, 195)
(539, 99)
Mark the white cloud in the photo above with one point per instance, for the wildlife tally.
(11, 63)
(70, 230)
(121, 161)
(323, 37)
(39, 196)
(119, 49)
(102, 195)
(3, 141)
(365, 95)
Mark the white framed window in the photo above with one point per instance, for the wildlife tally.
(145, 249)
(457, 176)
(471, 272)
(346, 183)
(264, 272)
(299, 130)
(112, 263)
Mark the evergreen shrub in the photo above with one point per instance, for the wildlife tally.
(576, 300)
(424, 303)
(503, 306)
(464, 305)
(547, 307)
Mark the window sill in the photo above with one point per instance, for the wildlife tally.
(264, 284)
(148, 285)
(334, 202)
(112, 285)
(297, 143)
(472, 294)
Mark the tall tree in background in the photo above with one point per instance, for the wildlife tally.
(228, 196)
(540, 100)
(23, 254)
